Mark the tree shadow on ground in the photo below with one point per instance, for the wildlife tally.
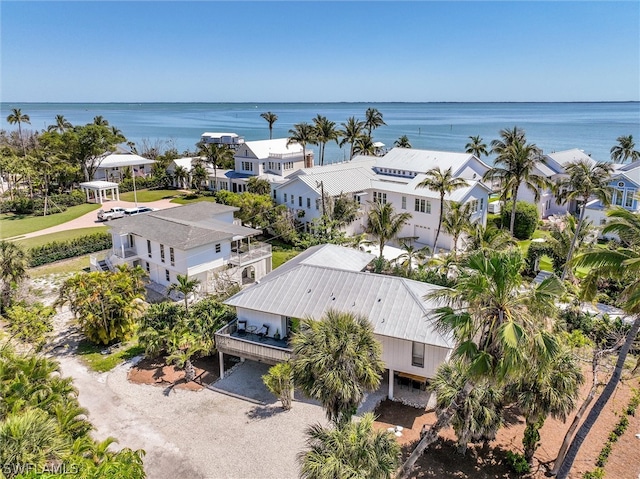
(264, 412)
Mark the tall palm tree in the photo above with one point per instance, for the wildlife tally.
(623, 261)
(325, 131)
(198, 176)
(476, 147)
(16, 116)
(497, 323)
(457, 221)
(351, 131)
(61, 125)
(507, 137)
(444, 183)
(271, 118)
(304, 134)
(584, 182)
(100, 120)
(336, 360)
(402, 142)
(185, 286)
(514, 167)
(217, 156)
(410, 255)
(546, 389)
(372, 120)
(624, 150)
(355, 450)
(181, 175)
(364, 146)
(384, 223)
(13, 269)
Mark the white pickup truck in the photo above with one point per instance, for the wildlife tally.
(113, 213)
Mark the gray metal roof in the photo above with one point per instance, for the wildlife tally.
(395, 306)
(184, 227)
(412, 159)
(348, 177)
(349, 259)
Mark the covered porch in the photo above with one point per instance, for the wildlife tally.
(100, 191)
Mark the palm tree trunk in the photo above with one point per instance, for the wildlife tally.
(435, 242)
(576, 420)
(513, 209)
(597, 408)
(444, 419)
(567, 265)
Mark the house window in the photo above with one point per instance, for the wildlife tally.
(274, 194)
(147, 267)
(172, 256)
(149, 248)
(617, 197)
(317, 203)
(218, 248)
(404, 202)
(628, 202)
(422, 206)
(309, 203)
(481, 204)
(379, 197)
(162, 253)
(293, 198)
(417, 355)
(167, 275)
(247, 166)
(428, 207)
(285, 197)
(300, 201)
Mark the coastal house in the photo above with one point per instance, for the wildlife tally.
(186, 164)
(392, 178)
(329, 277)
(201, 240)
(113, 166)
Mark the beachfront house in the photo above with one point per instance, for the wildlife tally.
(329, 277)
(201, 240)
(392, 178)
(114, 167)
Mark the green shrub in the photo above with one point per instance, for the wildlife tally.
(22, 205)
(603, 457)
(517, 463)
(597, 473)
(58, 250)
(526, 221)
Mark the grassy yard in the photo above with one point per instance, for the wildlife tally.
(280, 257)
(66, 266)
(147, 196)
(185, 200)
(16, 225)
(59, 236)
(93, 356)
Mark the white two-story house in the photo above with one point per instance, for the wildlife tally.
(329, 277)
(201, 240)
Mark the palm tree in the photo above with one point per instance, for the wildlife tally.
(325, 131)
(336, 360)
(476, 147)
(364, 146)
(546, 388)
(303, 134)
(351, 131)
(610, 263)
(271, 118)
(181, 175)
(61, 125)
(100, 121)
(279, 381)
(443, 183)
(411, 254)
(373, 119)
(384, 223)
(184, 345)
(13, 269)
(218, 156)
(198, 176)
(355, 450)
(16, 116)
(402, 142)
(489, 238)
(561, 237)
(584, 182)
(457, 221)
(497, 323)
(185, 286)
(624, 150)
(514, 167)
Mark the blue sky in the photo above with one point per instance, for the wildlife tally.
(319, 51)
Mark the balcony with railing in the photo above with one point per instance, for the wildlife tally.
(125, 253)
(249, 253)
(252, 346)
(285, 156)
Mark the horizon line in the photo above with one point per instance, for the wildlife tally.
(307, 102)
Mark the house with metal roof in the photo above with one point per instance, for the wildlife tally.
(201, 240)
(327, 278)
(111, 167)
(394, 179)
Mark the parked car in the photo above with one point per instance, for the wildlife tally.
(138, 210)
(111, 214)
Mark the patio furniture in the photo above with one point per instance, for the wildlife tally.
(242, 328)
(263, 332)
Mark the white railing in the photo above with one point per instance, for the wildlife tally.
(282, 156)
(250, 254)
(128, 253)
(250, 346)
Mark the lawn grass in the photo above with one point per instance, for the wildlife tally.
(185, 200)
(16, 225)
(280, 257)
(63, 267)
(147, 196)
(59, 236)
(92, 355)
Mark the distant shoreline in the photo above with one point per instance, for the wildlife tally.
(312, 102)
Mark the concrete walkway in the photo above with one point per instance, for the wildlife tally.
(91, 219)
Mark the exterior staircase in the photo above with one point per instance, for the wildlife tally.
(542, 275)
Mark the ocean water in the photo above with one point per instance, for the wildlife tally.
(592, 127)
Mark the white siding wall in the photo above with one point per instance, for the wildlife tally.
(297, 190)
(397, 355)
(205, 257)
(258, 318)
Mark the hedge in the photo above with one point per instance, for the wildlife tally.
(57, 250)
(527, 218)
(57, 203)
